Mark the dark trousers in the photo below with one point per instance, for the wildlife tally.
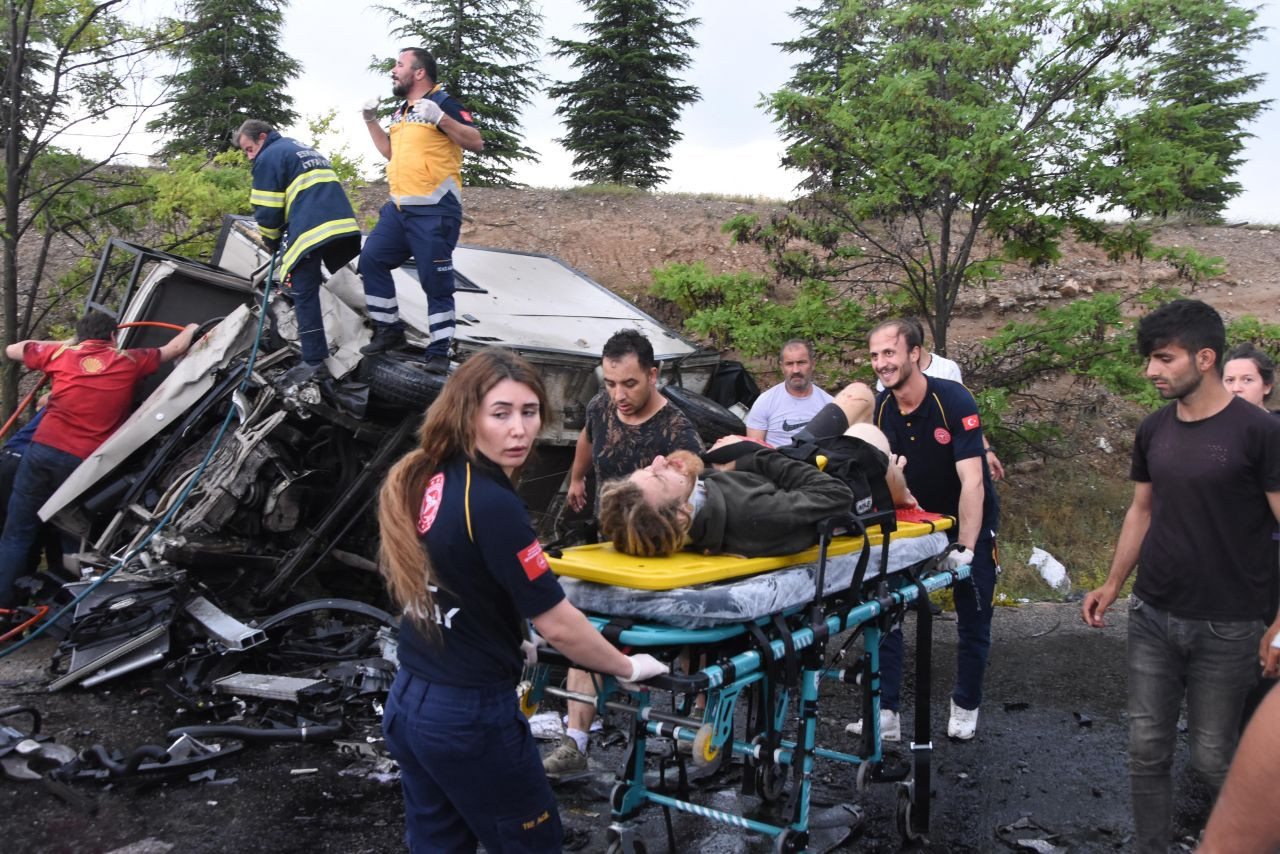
(1214, 665)
(41, 472)
(304, 284)
(973, 630)
(429, 239)
(469, 769)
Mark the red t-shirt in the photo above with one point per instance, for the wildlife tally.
(92, 390)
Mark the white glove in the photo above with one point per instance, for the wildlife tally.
(530, 647)
(429, 110)
(957, 557)
(643, 667)
(370, 110)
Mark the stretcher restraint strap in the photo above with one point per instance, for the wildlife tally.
(613, 629)
(765, 647)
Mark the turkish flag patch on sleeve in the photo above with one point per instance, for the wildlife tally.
(970, 422)
(533, 560)
(430, 503)
(466, 115)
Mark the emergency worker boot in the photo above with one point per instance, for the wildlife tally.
(566, 761)
(890, 726)
(386, 336)
(437, 365)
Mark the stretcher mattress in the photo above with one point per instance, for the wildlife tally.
(750, 598)
(603, 564)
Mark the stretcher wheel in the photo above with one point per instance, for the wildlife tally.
(771, 781)
(904, 814)
(704, 752)
(864, 775)
(616, 847)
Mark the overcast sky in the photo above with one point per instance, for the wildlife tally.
(729, 146)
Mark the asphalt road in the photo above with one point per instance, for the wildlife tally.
(1050, 756)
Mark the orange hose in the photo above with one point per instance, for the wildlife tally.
(40, 611)
(21, 406)
(174, 326)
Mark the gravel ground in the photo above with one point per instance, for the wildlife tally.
(1050, 748)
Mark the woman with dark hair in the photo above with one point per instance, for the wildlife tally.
(1249, 373)
(461, 560)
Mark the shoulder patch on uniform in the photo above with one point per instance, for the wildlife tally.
(465, 115)
(942, 436)
(533, 560)
(430, 503)
(970, 422)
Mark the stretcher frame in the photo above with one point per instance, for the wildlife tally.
(770, 659)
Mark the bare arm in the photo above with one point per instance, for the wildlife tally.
(178, 344)
(971, 497)
(14, 351)
(568, 630)
(1268, 653)
(578, 472)
(1245, 817)
(1137, 519)
(466, 136)
(757, 434)
(381, 140)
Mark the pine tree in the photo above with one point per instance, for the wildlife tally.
(485, 52)
(1195, 91)
(233, 70)
(620, 113)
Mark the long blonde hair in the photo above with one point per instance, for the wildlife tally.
(448, 429)
(636, 527)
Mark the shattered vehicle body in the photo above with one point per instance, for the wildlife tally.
(234, 512)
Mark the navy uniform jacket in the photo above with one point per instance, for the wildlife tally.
(491, 578)
(941, 431)
(297, 196)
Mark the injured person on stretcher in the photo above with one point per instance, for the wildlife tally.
(756, 500)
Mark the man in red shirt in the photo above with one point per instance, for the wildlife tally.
(93, 385)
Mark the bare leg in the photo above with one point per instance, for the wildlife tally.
(581, 715)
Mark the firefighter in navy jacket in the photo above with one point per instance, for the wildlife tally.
(299, 204)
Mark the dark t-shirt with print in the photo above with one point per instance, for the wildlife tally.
(1208, 553)
(618, 449)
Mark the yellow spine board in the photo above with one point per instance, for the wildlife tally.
(603, 564)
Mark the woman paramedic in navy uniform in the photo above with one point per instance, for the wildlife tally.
(470, 770)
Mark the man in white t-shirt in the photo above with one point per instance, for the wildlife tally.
(933, 365)
(780, 412)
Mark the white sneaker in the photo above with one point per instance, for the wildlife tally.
(963, 724)
(890, 726)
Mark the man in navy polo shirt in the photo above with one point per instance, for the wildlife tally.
(934, 423)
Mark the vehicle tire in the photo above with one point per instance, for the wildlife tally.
(709, 418)
(399, 380)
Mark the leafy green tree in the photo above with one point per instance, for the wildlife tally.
(1195, 90)
(233, 69)
(486, 52)
(620, 114)
(954, 138)
(67, 64)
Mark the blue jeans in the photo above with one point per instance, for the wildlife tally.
(973, 630)
(304, 284)
(470, 769)
(41, 472)
(1215, 664)
(430, 240)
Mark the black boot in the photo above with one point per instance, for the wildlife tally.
(437, 365)
(386, 336)
(305, 372)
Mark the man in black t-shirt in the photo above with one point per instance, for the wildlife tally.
(1206, 472)
(628, 424)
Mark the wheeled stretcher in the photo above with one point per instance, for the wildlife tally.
(767, 646)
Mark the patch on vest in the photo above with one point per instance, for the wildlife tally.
(430, 503)
(533, 560)
(941, 436)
